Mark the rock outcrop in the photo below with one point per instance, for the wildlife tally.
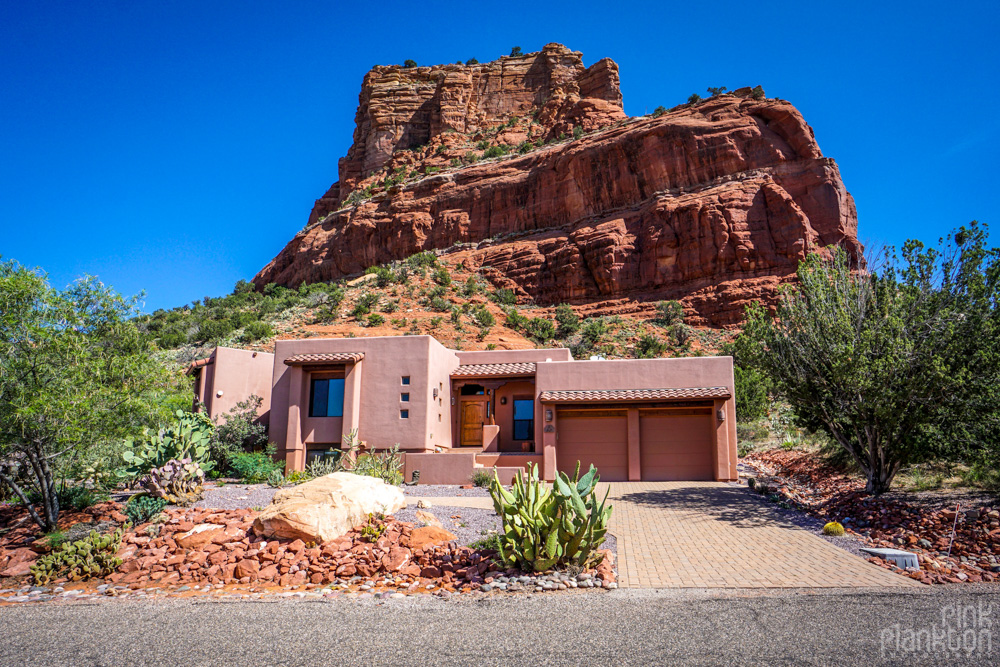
(712, 203)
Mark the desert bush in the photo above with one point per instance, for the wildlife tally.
(541, 330)
(375, 320)
(256, 331)
(483, 317)
(716, 91)
(495, 151)
(471, 61)
(650, 347)
(694, 98)
(409, 63)
(751, 394)
(188, 437)
(577, 131)
(237, 431)
(680, 333)
(659, 111)
(758, 93)
(505, 296)
(424, 259)
(364, 304)
(386, 465)
(515, 320)
(516, 51)
(481, 478)
(669, 313)
(442, 277)
(254, 467)
(566, 319)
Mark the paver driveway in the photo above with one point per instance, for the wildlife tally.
(714, 535)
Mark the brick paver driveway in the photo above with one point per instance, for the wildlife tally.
(714, 535)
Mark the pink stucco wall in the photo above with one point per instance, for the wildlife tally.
(234, 376)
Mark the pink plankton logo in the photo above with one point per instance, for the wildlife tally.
(964, 630)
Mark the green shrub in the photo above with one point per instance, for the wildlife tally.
(495, 151)
(364, 305)
(577, 131)
(659, 111)
(480, 478)
(254, 467)
(239, 431)
(471, 61)
(515, 320)
(390, 307)
(256, 331)
(424, 259)
(540, 329)
(694, 98)
(409, 63)
(669, 313)
(483, 317)
(74, 498)
(483, 144)
(375, 320)
(547, 527)
(525, 147)
(566, 319)
(650, 347)
(455, 162)
(681, 334)
(715, 91)
(758, 93)
(516, 51)
(751, 394)
(440, 304)
(489, 543)
(141, 508)
(471, 157)
(442, 277)
(594, 331)
(505, 296)
(471, 287)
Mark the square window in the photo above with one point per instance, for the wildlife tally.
(406, 379)
(404, 414)
(326, 397)
(404, 397)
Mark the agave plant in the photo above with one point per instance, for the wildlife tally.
(546, 527)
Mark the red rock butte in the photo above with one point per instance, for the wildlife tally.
(713, 203)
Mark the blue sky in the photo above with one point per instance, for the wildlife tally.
(176, 147)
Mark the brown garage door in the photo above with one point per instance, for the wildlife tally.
(593, 437)
(676, 445)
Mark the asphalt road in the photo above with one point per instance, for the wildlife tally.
(617, 628)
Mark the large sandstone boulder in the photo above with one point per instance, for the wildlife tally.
(327, 507)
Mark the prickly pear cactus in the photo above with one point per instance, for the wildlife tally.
(93, 556)
(179, 482)
(188, 438)
(546, 527)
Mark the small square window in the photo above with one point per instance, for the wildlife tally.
(404, 414)
(404, 397)
(406, 379)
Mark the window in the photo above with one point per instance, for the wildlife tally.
(472, 390)
(404, 414)
(524, 419)
(406, 379)
(404, 397)
(326, 397)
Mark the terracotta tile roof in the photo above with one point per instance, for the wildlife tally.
(634, 394)
(325, 358)
(483, 370)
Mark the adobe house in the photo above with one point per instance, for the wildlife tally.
(453, 411)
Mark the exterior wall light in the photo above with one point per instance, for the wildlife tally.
(503, 400)
(548, 415)
(721, 414)
(435, 392)
(218, 394)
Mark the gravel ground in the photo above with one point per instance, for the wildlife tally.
(237, 496)
(445, 490)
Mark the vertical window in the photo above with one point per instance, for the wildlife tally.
(406, 379)
(326, 397)
(524, 419)
(404, 397)
(404, 414)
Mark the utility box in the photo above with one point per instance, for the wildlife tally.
(903, 559)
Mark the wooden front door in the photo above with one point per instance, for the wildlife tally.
(473, 416)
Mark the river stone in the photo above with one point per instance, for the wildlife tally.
(327, 507)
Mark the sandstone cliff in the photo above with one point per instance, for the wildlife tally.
(712, 203)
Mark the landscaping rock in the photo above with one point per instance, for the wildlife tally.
(200, 536)
(429, 535)
(428, 519)
(327, 507)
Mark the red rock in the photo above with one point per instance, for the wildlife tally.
(198, 537)
(427, 535)
(19, 562)
(246, 568)
(713, 204)
(396, 559)
(296, 546)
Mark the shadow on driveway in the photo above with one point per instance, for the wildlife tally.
(730, 504)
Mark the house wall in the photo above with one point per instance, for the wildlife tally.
(640, 374)
(237, 375)
(372, 395)
(512, 356)
(504, 416)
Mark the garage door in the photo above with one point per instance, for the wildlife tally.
(593, 437)
(676, 445)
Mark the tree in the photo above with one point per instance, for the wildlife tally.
(409, 63)
(567, 320)
(889, 363)
(716, 91)
(669, 313)
(76, 374)
(694, 98)
(516, 51)
(472, 61)
(659, 111)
